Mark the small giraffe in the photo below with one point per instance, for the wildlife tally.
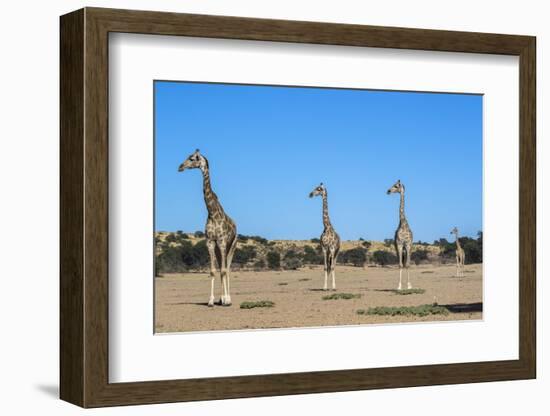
(330, 241)
(460, 256)
(221, 231)
(403, 235)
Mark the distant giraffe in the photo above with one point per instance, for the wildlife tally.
(330, 241)
(460, 256)
(221, 231)
(403, 235)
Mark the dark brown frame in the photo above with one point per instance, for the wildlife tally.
(84, 207)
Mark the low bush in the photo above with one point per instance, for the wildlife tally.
(422, 310)
(293, 263)
(273, 260)
(356, 256)
(257, 304)
(312, 256)
(384, 258)
(346, 296)
(419, 256)
(409, 291)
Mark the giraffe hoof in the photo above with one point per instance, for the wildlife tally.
(210, 304)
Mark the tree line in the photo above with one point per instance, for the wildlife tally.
(176, 253)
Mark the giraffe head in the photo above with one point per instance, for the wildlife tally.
(194, 161)
(397, 187)
(454, 231)
(319, 190)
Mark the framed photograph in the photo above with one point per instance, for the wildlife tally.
(255, 207)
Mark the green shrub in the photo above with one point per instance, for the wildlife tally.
(291, 254)
(200, 254)
(356, 256)
(244, 255)
(312, 256)
(419, 256)
(409, 291)
(366, 244)
(292, 263)
(259, 265)
(171, 238)
(473, 252)
(257, 304)
(199, 234)
(170, 260)
(346, 296)
(273, 260)
(442, 242)
(384, 258)
(422, 310)
(184, 236)
(182, 257)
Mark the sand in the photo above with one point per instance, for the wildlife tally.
(181, 299)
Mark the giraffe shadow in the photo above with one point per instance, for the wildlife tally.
(189, 303)
(464, 307)
(318, 290)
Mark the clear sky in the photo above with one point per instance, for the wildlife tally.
(268, 147)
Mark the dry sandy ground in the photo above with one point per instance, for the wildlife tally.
(181, 298)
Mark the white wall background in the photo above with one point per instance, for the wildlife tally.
(29, 159)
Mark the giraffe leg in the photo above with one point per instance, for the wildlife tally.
(400, 255)
(400, 274)
(457, 267)
(325, 258)
(407, 265)
(211, 244)
(334, 258)
(229, 261)
(223, 268)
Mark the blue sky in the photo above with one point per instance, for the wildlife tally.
(268, 147)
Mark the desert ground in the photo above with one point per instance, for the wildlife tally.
(181, 299)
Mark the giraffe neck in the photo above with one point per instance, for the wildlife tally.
(458, 247)
(402, 207)
(210, 198)
(326, 219)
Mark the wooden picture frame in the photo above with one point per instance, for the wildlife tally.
(84, 207)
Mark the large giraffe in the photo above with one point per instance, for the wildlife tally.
(403, 235)
(460, 256)
(221, 231)
(330, 241)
